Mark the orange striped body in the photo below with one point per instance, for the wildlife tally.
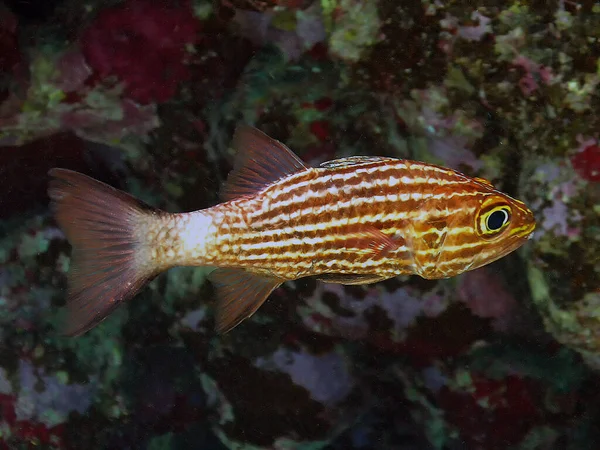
(314, 223)
(352, 221)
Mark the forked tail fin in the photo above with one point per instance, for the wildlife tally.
(111, 257)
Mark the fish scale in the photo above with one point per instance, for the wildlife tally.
(319, 231)
(353, 220)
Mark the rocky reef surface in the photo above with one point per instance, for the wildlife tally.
(145, 95)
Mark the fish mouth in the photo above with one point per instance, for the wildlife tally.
(518, 238)
(528, 232)
(527, 229)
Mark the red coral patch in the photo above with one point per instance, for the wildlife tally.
(587, 163)
(143, 43)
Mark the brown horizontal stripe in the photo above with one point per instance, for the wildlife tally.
(309, 221)
(353, 187)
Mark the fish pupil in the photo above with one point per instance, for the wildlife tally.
(497, 219)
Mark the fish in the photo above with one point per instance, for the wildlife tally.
(354, 220)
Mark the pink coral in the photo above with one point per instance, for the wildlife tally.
(475, 32)
(73, 71)
(534, 72)
(452, 30)
(143, 44)
(483, 291)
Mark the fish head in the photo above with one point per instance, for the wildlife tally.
(471, 231)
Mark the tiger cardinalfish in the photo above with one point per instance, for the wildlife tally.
(353, 220)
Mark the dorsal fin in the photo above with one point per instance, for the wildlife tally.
(354, 161)
(259, 162)
(484, 181)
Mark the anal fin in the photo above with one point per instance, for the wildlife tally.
(240, 293)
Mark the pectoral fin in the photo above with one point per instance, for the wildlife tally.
(240, 293)
(371, 240)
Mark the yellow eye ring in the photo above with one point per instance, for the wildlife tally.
(493, 221)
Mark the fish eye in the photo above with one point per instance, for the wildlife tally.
(493, 220)
(497, 219)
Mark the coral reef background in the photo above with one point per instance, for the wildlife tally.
(145, 95)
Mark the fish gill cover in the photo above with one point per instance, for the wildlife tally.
(146, 96)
